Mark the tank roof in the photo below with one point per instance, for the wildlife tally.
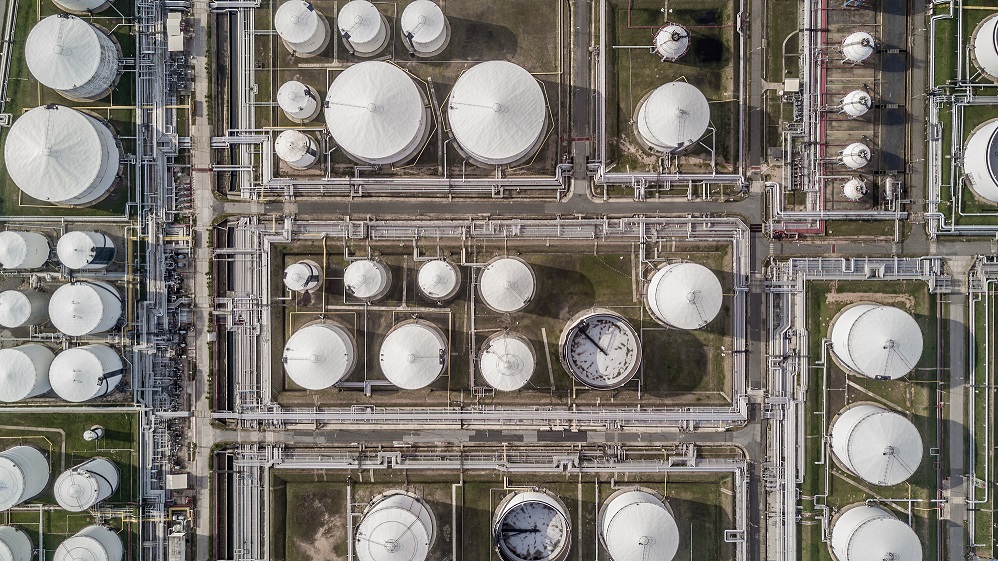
(319, 355)
(673, 116)
(684, 295)
(507, 284)
(413, 354)
(507, 361)
(63, 51)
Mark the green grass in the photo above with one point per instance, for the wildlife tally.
(782, 20)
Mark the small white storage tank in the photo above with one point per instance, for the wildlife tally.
(637, 524)
(413, 354)
(425, 29)
(72, 57)
(880, 342)
(300, 102)
(82, 7)
(672, 118)
(439, 280)
(24, 472)
(864, 532)
(21, 308)
(62, 156)
(85, 485)
(85, 308)
(856, 103)
(303, 276)
(497, 113)
(397, 525)
(296, 149)
(532, 526)
(14, 544)
(672, 42)
(858, 47)
(367, 279)
(23, 250)
(600, 349)
(854, 189)
(878, 445)
(507, 361)
(84, 373)
(984, 47)
(855, 156)
(24, 372)
(363, 28)
(377, 114)
(684, 296)
(507, 284)
(303, 29)
(319, 355)
(980, 161)
(93, 543)
(85, 250)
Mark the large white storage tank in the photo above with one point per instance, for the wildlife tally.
(858, 47)
(425, 28)
(93, 543)
(85, 308)
(14, 544)
(62, 156)
(24, 472)
(980, 161)
(864, 532)
(72, 57)
(497, 113)
(21, 308)
(637, 524)
(672, 42)
(856, 103)
(439, 280)
(300, 102)
(600, 349)
(397, 525)
(672, 118)
(303, 276)
(367, 279)
(507, 361)
(319, 355)
(24, 372)
(302, 28)
(85, 250)
(82, 7)
(878, 445)
(684, 296)
(413, 354)
(84, 373)
(363, 28)
(855, 156)
(85, 485)
(880, 342)
(984, 47)
(507, 284)
(532, 526)
(296, 149)
(854, 189)
(23, 250)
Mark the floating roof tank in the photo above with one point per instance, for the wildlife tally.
(439, 280)
(507, 361)
(85, 308)
(672, 117)
(636, 524)
(396, 526)
(82, 7)
(72, 57)
(413, 354)
(858, 47)
(24, 472)
(367, 279)
(855, 156)
(377, 114)
(984, 46)
(14, 544)
(878, 445)
(532, 526)
(600, 349)
(300, 102)
(864, 532)
(684, 296)
(24, 372)
(672, 42)
(319, 355)
(85, 250)
(854, 189)
(297, 149)
(93, 543)
(85, 485)
(497, 113)
(303, 276)
(980, 161)
(363, 28)
(507, 284)
(20, 308)
(303, 29)
(23, 250)
(62, 156)
(425, 29)
(84, 373)
(880, 342)
(856, 103)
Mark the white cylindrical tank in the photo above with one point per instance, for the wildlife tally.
(413, 354)
(93, 543)
(507, 361)
(303, 29)
(24, 372)
(980, 161)
(20, 308)
(85, 308)
(367, 279)
(14, 544)
(319, 355)
(85, 250)
(507, 284)
(532, 526)
(865, 532)
(85, 485)
(303, 276)
(672, 42)
(880, 342)
(636, 524)
(984, 47)
(72, 57)
(856, 103)
(23, 250)
(854, 189)
(296, 149)
(363, 28)
(24, 472)
(855, 156)
(672, 117)
(858, 47)
(300, 102)
(377, 114)
(878, 445)
(84, 373)
(82, 7)
(439, 280)
(425, 29)
(684, 296)
(397, 525)
(62, 156)
(497, 113)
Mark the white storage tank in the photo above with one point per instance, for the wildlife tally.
(296, 149)
(684, 296)
(87, 484)
(397, 525)
(507, 361)
(302, 28)
(72, 57)
(300, 102)
(984, 47)
(879, 342)
(672, 42)
(878, 445)
(367, 279)
(600, 349)
(62, 156)
(425, 29)
(439, 280)
(319, 355)
(507, 284)
(85, 250)
(858, 47)
(856, 103)
(672, 118)
(93, 543)
(84, 373)
(303, 276)
(85, 308)
(23, 250)
(24, 372)
(855, 156)
(980, 161)
(636, 524)
(497, 113)
(854, 189)
(864, 532)
(363, 28)
(24, 472)
(21, 308)
(413, 354)
(532, 526)
(14, 544)
(82, 7)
